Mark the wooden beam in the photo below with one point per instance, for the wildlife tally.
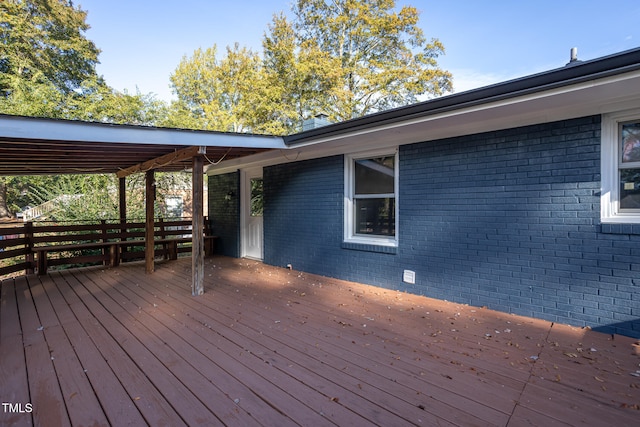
(122, 198)
(150, 196)
(167, 159)
(197, 227)
(122, 208)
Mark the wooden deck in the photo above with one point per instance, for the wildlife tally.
(271, 347)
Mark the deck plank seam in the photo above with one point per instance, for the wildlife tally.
(320, 361)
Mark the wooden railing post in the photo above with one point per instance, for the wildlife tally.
(103, 231)
(122, 209)
(150, 195)
(28, 235)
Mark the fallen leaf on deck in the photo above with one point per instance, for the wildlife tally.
(634, 406)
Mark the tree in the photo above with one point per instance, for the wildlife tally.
(216, 94)
(4, 209)
(344, 58)
(47, 69)
(43, 44)
(297, 76)
(382, 56)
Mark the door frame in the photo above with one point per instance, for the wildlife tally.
(245, 205)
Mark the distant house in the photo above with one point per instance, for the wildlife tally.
(522, 196)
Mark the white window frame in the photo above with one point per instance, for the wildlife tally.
(610, 212)
(349, 206)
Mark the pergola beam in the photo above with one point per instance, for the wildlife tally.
(167, 159)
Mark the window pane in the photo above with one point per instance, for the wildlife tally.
(256, 197)
(630, 189)
(374, 176)
(630, 142)
(375, 216)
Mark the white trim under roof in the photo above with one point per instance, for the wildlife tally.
(600, 96)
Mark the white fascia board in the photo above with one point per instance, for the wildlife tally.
(77, 131)
(601, 96)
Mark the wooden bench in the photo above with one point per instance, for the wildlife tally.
(113, 250)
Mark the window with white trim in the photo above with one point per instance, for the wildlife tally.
(371, 189)
(621, 168)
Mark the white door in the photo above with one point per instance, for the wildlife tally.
(251, 213)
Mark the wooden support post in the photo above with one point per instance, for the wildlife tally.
(197, 228)
(122, 196)
(150, 196)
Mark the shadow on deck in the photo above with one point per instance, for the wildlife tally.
(273, 347)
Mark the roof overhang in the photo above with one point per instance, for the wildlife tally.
(37, 146)
(594, 87)
(31, 146)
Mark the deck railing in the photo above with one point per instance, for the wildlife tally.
(19, 242)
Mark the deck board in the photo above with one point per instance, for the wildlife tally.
(13, 369)
(80, 401)
(339, 363)
(334, 347)
(312, 366)
(172, 350)
(117, 405)
(44, 387)
(231, 349)
(271, 347)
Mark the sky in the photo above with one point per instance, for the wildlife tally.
(486, 41)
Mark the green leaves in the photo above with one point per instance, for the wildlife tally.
(384, 59)
(217, 94)
(47, 68)
(43, 42)
(344, 58)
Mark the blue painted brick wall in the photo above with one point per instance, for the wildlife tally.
(224, 214)
(507, 219)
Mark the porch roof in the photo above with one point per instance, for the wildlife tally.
(37, 146)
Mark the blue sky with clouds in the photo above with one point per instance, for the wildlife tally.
(486, 41)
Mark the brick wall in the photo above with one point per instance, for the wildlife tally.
(507, 220)
(510, 220)
(302, 214)
(225, 214)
